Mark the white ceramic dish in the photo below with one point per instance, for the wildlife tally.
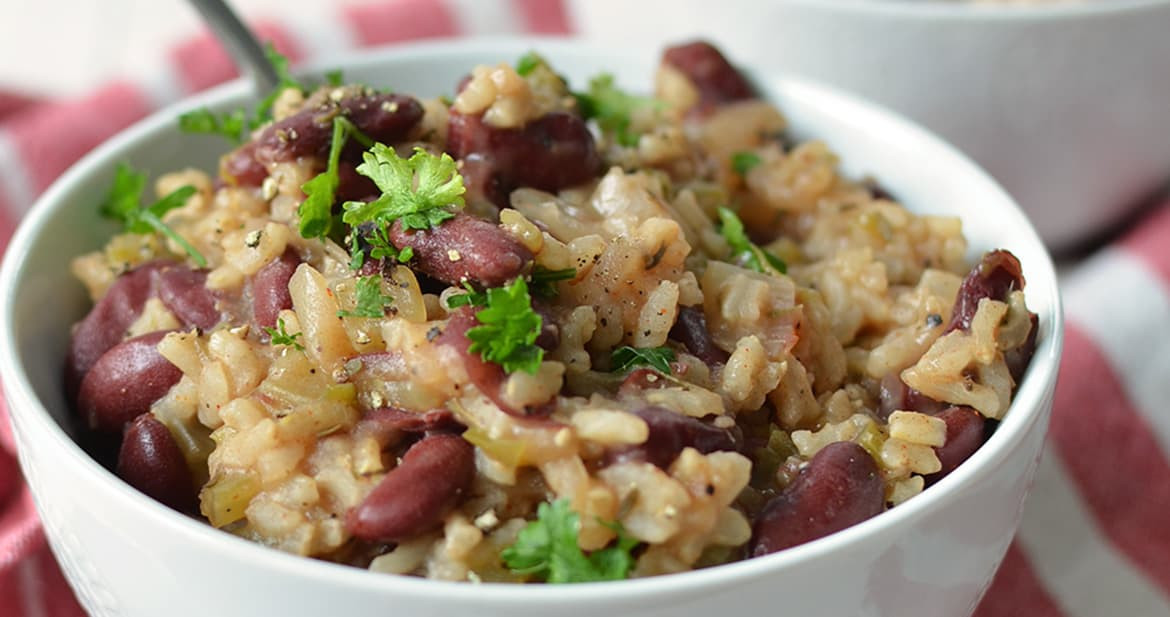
(129, 556)
(1065, 103)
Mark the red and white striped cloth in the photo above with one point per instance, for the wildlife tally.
(1095, 536)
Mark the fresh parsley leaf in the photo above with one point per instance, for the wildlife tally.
(420, 191)
(543, 280)
(625, 358)
(473, 297)
(124, 204)
(280, 336)
(547, 549)
(335, 78)
(508, 329)
(611, 108)
(286, 80)
(743, 162)
(528, 63)
(233, 125)
(743, 251)
(369, 299)
(316, 211)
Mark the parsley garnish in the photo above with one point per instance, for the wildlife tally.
(547, 549)
(233, 125)
(625, 358)
(335, 78)
(280, 336)
(316, 211)
(743, 251)
(369, 299)
(508, 329)
(420, 191)
(124, 204)
(528, 63)
(543, 280)
(280, 64)
(611, 108)
(471, 298)
(743, 162)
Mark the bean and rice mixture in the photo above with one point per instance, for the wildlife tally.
(533, 334)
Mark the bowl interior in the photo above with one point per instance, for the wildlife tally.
(41, 299)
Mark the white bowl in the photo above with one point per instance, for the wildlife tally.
(1065, 103)
(127, 555)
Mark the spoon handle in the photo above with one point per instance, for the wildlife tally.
(240, 42)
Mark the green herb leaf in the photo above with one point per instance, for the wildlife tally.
(544, 280)
(335, 77)
(625, 358)
(508, 329)
(420, 191)
(286, 80)
(473, 297)
(528, 63)
(123, 204)
(612, 108)
(233, 125)
(369, 300)
(743, 251)
(547, 549)
(280, 336)
(316, 211)
(743, 162)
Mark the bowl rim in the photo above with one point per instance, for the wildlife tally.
(962, 11)
(1028, 407)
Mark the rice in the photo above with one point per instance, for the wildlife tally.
(837, 316)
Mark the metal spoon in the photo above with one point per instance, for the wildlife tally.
(241, 44)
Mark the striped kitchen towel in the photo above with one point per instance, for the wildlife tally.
(1095, 536)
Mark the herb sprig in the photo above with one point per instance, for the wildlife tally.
(547, 549)
(316, 211)
(743, 250)
(422, 191)
(508, 329)
(612, 108)
(236, 124)
(544, 280)
(743, 161)
(124, 204)
(625, 358)
(280, 336)
(369, 300)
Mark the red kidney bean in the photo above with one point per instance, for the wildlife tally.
(840, 487)
(691, 330)
(124, 382)
(670, 432)
(964, 436)
(895, 395)
(487, 377)
(550, 332)
(550, 153)
(107, 321)
(352, 186)
(997, 274)
(386, 118)
(152, 462)
(269, 286)
(465, 248)
(415, 496)
(184, 292)
(240, 167)
(385, 423)
(1017, 359)
(713, 76)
